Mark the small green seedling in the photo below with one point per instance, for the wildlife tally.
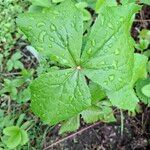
(144, 40)
(15, 136)
(14, 62)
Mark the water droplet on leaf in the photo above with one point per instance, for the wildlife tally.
(89, 52)
(111, 77)
(41, 24)
(93, 42)
(52, 27)
(51, 39)
(117, 52)
(42, 36)
(110, 25)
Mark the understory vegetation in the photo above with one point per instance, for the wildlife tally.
(69, 66)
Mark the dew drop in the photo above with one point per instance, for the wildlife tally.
(110, 25)
(102, 63)
(72, 25)
(64, 61)
(40, 49)
(89, 52)
(105, 83)
(56, 12)
(80, 94)
(120, 79)
(52, 27)
(42, 35)
(30, 28)
(41, 24)
(55, 58)
(115, 64)
(50, 46)
(51, 39)
(121, 19)
(111, 77)
(93, 42)
(102, 20)
(117, 52)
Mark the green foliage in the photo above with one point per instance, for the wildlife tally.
(145, 2)
(140, 68)
(143, 91)
(5, 121)
(96, 91)
(15, 136)
(14, 62)
(57, 34)
(146, 90)
(100, 111)
(17, 88)
(102, 3)
(8, 12)
(70, 125)
(135, 1)
(144, 40)
(43, 3)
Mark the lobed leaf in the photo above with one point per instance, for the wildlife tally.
(70, 125)
(106, 58)
(57, 32)
(59, 95)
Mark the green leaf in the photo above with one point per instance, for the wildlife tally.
(145, 34)
(99, 112)
(139, 86)
(146, 90)
(70, 125)
(57, 1)
(11, 130)
(91, 114)
(140, 68)
(16, 56)
(142, 45)
(18, 65)
(10, 65)
(124, 98)
(103, 3)
(60, 37)
(43, 3)
(15, 136)
(127, 1)
(24, 96)
(96, 91)
(33, 9)
(102, 56)
(145, 2)
(24, 137)
(59, 95)
(106, 57)
(108, 114)
(109, 61)
(86, 14)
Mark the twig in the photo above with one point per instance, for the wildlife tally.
(72, 135)
(10, 74)
(9, 105)
(144, 20)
